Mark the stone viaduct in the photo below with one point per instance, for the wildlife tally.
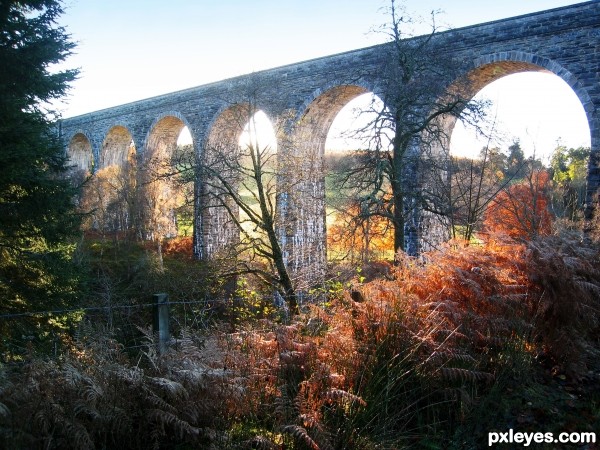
(563, 41)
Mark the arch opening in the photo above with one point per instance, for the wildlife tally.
(530, 104)
(257, 162)
(354, 133)
(535, 117)
(353, 127)
(259, 132)
(242, 149)
(118, 148)
(166, 179)
(109, 195)
(80, 154)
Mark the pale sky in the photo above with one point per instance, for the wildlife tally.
(134, 49)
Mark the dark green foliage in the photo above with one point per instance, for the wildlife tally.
(569, 172)
(123, 275)
(37, 219)
(515, 162)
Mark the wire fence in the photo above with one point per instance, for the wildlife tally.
(94, 308)
(125, 324)
(163, 317)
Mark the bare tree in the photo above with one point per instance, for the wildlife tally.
(422, 91)
(109, 197)
(236, 192)
(244, 181)
(474, 184)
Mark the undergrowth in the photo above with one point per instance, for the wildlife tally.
(466, 340)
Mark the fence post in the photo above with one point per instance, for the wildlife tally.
(160, 320)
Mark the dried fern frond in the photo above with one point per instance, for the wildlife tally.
(197, 376)
(588, 286)
(300, 434)
(83, 409)
(77, 436)
(440, 357)
(457, 374)
(172, 388)
(156, 401)
(344, 397)
(168, 419)
(4, 410)
(260, 443)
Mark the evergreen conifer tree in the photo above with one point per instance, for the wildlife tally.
(37, 215)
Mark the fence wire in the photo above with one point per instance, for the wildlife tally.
(100, 308)
(126, 329)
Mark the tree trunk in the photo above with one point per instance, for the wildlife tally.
(269, 227)
(198, 250)
(282, 272)
(398, 220)
(397, 182)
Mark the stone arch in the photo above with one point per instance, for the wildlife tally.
(80, 152)
(507, 63)
(163, 133)
(221, 151)
(228, 124)
(162, 194)
(488, 68)
(336, 90)
(117, 148)
(303, 202)
(319, 112)
(109, 194)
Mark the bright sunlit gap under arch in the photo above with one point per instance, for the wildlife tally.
(352, 127)
(185, 137)
(539, 109)
(259, 132)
